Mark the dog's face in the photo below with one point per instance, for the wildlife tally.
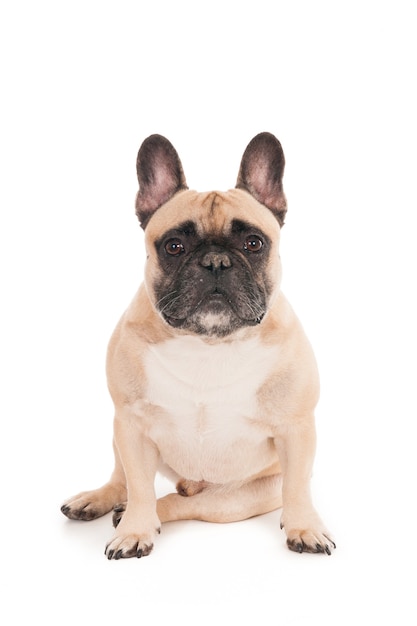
(212, 258)
(213, 263)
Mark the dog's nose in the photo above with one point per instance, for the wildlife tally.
(216, 261)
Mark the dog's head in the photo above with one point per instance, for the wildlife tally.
(212, 258)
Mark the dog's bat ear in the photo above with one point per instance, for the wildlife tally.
(261, 172)
(160, 176)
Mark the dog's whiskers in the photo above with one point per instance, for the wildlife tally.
(165, 297)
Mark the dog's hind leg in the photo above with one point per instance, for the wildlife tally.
(216, 503)
(184, 488)
(223, 503)
(89, 505)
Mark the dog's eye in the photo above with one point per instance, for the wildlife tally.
(253, 243)
(174, 247)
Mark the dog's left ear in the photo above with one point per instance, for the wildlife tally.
(160, 176)
(261, 172)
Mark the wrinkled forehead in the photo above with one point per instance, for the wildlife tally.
(212, 213)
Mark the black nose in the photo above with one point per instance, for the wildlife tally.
(216, 261)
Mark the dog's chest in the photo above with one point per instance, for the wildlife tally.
(208, 394)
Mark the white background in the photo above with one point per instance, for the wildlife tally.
(83, 83)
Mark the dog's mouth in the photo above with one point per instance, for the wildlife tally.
(215, 313)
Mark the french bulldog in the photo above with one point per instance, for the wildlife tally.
(213, 380)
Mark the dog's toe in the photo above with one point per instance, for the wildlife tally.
(309, 541)
(81, 510)
(89, 505)
(129, 546)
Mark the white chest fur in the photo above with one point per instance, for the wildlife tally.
(208, 396)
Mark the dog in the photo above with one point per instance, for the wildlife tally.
(213, 380)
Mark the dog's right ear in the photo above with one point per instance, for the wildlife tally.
(160, 176)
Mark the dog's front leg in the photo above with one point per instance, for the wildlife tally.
(303, 526)
(136, 532)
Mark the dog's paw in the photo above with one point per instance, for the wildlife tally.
(123, 546)
(132, 538)
(308, 537)
(310, 541)
(85, 506)
(189, 488)
(118, 511)
(89, 505)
